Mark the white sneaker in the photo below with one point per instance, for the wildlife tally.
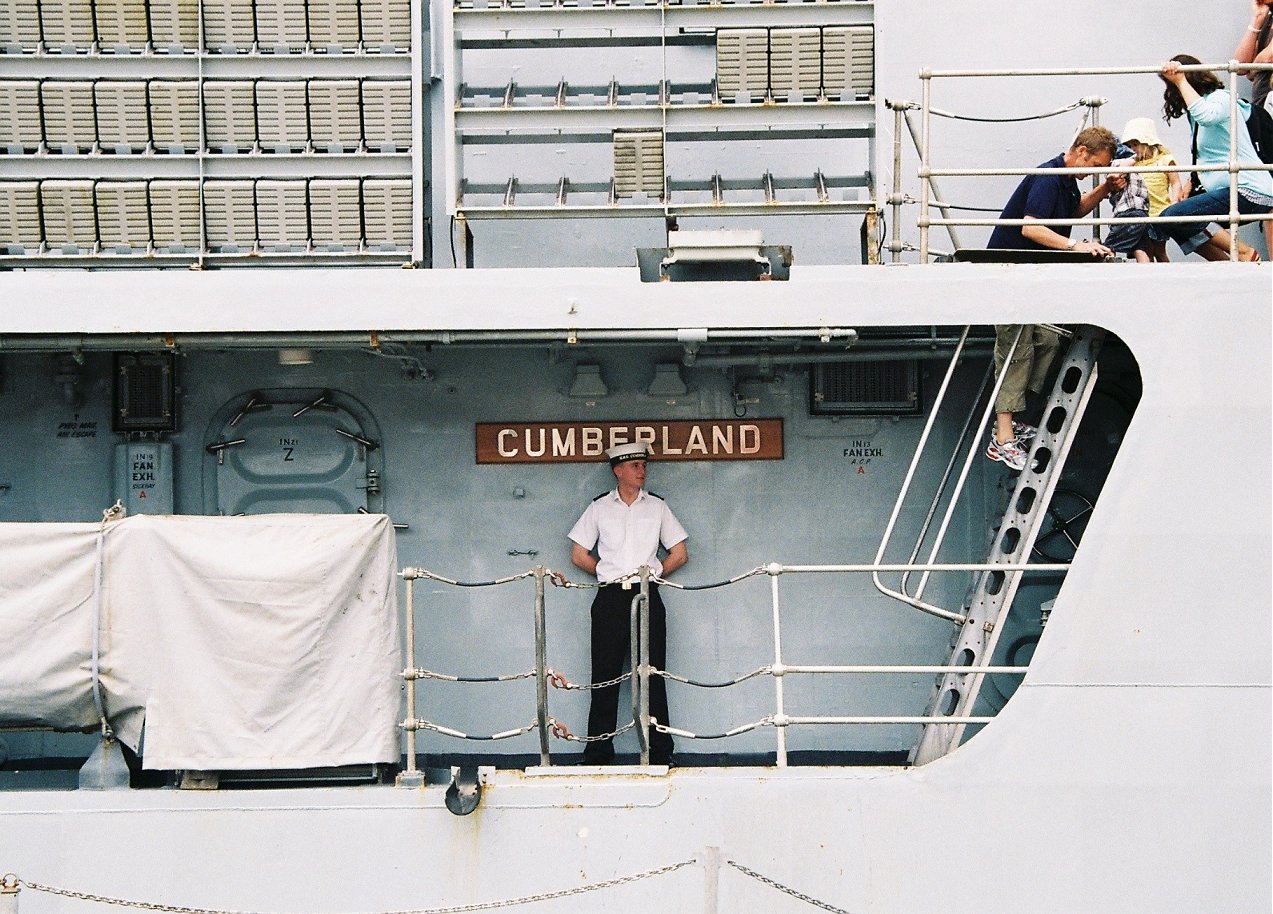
(1022, 431)
(1010, 453)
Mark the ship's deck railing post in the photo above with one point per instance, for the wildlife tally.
(1234, 122)
(641, 663)
(902, 116)
(411, 776)
(896, 198)
(925, 160)
(780, 709)
(541, 666)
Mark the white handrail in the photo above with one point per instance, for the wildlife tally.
(779, 670)
(1232, 66)
(1234, 218)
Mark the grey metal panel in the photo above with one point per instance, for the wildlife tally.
(831, 118)
(742, 63)
(280, 26)
(229, 214)
(123, 216)
(549, 17)
(849, 62)
(121, 25)
(123, 124)
(387, 213)
(174, 115)
(20, 116)
(333, 25)
(335, 120)
(386, 25)
(282, 219)
(174, 25)
(174, 215)
(67, 106)
(386, 115)
(795, 63)
(67, 25)
(228, 26)
(335, 214)
(281, 119)
(19, 26)
(19, 217)
(68, 216)
(291, 463)
(229, 115)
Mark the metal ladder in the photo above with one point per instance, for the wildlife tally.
(991, 596)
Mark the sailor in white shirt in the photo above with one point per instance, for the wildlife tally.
(626, 526)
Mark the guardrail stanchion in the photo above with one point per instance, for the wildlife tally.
(641, 664)
(780, 712)
(1235, 124)
(541, 671)
(411, 777)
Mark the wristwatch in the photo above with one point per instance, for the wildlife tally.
(1071, 245)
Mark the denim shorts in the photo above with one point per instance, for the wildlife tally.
(1191, 235)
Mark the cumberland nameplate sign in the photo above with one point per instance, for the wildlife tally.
(580, 442)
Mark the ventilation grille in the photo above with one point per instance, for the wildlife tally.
(865, 388)
(848, 62)
(836, 62)
(795, 62)
(742, 63)
(144, 393)
(638, 163)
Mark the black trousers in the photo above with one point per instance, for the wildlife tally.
(611, 648)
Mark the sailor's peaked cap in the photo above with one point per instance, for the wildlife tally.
(637, 450)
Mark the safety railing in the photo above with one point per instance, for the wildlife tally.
(931, 196)
(942, 491)
(641, 669)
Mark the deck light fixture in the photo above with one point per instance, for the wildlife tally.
(588, 383)
(296, 357)
(667, 381)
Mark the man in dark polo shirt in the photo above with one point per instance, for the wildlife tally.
(1058, 197)
(1042, 197)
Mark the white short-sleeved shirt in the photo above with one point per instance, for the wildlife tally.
(627, 536)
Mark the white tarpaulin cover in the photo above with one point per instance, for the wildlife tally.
(241, 642)
(46, 625)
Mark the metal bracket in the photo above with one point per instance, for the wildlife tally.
(200, 780)
(10, 886)
(219, 448)
(465, 791)
(253, 405)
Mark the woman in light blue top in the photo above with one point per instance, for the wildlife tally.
(1205, 100)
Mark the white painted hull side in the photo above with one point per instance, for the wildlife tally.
(1131, 771)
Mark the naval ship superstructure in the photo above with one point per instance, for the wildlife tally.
(316, 318)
